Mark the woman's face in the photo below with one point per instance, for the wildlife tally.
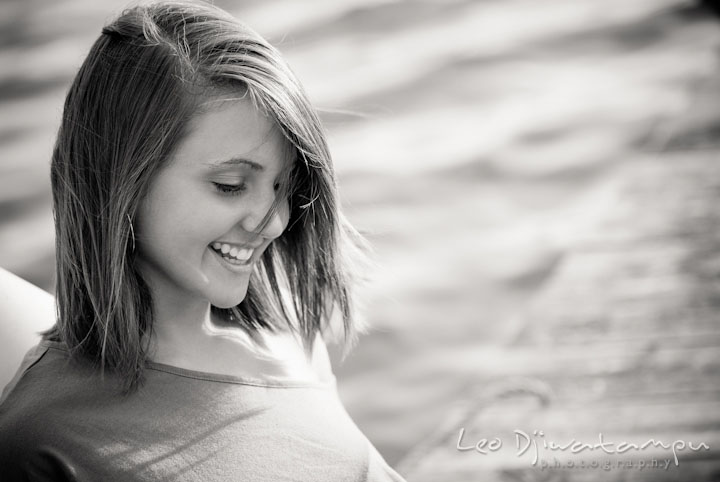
(195, 229)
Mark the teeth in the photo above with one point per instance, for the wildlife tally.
(241, 254)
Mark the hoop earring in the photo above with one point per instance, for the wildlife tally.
(132, 233)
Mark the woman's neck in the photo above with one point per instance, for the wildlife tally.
(193, 338)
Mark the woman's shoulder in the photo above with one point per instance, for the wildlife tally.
(57, 417)
(58, 409)
(31, 358)
(37, 380)
(50, 381)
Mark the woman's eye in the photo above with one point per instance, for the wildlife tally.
(276, 186)
(231, 189)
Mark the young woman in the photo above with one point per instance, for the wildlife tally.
(201, 259)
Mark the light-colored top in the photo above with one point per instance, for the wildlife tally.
(60, 421)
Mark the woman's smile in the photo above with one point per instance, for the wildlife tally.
(232, 252)
(234, 258)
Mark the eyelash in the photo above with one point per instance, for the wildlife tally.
(229, 189)
(235, 190)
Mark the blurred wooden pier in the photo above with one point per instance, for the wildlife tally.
(622, 341)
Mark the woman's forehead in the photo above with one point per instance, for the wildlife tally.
(234, 128)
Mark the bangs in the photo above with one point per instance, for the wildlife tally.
(290, 182)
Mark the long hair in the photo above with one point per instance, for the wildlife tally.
(128, 107)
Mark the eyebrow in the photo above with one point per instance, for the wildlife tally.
(236, 162)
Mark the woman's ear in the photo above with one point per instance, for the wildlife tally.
(25, 311)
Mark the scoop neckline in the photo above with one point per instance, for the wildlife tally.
(260, 381)
(266, 381)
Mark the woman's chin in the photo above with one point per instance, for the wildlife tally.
(229, 301)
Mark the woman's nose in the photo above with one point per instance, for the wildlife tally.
(267, 220)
